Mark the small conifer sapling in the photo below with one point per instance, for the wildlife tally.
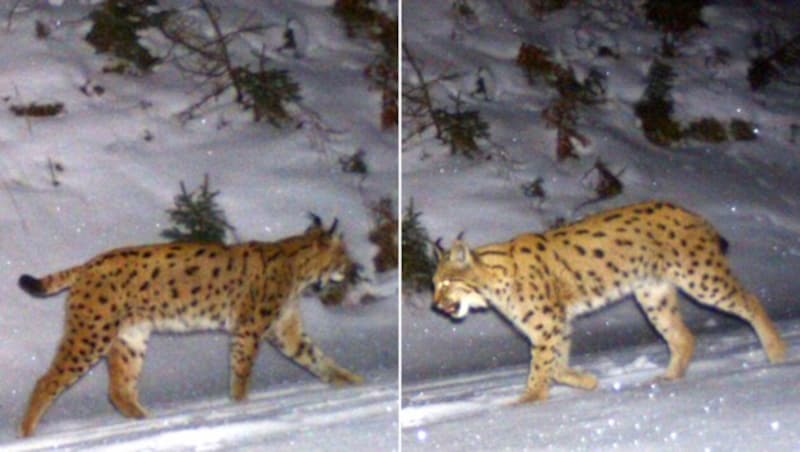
(197, 217)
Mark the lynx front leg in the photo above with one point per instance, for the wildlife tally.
(540, 375)
(565, 374)
(550, 356)
(288, 336)
(244, 350)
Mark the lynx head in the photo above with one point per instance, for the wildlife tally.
(330, 262)
(457, 281)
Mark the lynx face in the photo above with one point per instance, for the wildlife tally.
(334, 261)
(456, 284)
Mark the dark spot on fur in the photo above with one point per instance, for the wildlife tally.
(527, 316)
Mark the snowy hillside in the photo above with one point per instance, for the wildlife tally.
(101, 175)
(456, 374)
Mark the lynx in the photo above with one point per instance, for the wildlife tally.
(542, 281)
(250, 290)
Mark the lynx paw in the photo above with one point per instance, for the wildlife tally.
(342, 377)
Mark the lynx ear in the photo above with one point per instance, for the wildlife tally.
(461, 254)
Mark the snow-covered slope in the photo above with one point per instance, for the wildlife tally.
(122, 152)
(455, 374)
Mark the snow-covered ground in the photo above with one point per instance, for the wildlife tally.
(458, 376)
(118, 153)
(730, 400)
(301, 416)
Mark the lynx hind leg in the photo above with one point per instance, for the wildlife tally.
(288, 336)
(125, 361)
(75, 356)
(768, 335)
(729, 296)
(660, 304)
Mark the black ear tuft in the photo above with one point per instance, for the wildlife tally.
(333, 226)
(438, 250)
(316, 222)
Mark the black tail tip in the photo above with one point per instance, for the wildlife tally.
(723, 245)
(31, 285)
